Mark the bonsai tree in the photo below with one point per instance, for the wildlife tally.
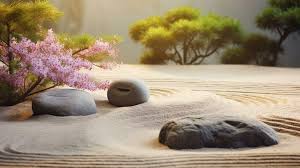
(183, 36)
(281, 18)
(254, 48)
(34, 64)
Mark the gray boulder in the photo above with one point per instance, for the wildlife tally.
(216, 132)
(127, 92)
(64, 102)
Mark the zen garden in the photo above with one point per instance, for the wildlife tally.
(183, 83)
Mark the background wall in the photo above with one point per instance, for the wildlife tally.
(115, 16)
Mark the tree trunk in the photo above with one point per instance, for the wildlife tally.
(9, 53)
(184, 55)
(282, 38)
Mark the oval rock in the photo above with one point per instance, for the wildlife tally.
(64, 102)
(127, 92)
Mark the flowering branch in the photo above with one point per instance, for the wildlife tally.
(3, 62)
(78, 51)
(49, 60)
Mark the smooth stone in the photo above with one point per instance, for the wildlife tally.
(216, 132)
(64, 102)
(128, 92)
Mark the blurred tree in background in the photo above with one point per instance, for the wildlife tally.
(281, 18)
(253, 49)
(183, 36)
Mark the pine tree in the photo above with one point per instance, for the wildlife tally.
(281, 18)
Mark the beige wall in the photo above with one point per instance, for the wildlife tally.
(115, 16)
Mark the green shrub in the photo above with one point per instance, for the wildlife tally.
(183, 36)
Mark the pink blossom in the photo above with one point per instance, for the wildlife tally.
(48, 59)
(100, 47)
(107, 65)
(15, 80)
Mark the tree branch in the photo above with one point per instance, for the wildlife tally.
(202, 57)
(213, 51)
(196, 56)
(33, 86)
(185, 52)
(3, 62)
(43, 90)
(283, 36)
(3, 41)
(96, 65)
(175, 60)
(9, 54)
(178, 54)
(78, 51)
(201, 61)
(279, 31)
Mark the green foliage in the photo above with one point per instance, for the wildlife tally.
(6, 93)
(77, 41)
(26, 18)
(114, 39)
(255, 48)
(262, 49)
(183, 29)
(183, 36)
(157, 38)
(183, 13)
(279, 21)
(219, 30)
(235, 55)
(18, 1)
(282, 18)
(139, 29)
(154, 57)
(270, 18)
(284, 4)
(82, 42)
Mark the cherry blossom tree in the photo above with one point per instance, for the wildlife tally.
(43, 60)
(42, 65)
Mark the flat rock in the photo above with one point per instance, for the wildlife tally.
(127, 92)
(64, 102)
(216, 132)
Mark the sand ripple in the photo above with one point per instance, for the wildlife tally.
(127, 137)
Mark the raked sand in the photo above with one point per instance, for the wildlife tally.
(128, 136)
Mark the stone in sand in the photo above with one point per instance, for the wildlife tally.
(127, 92)
(216, 132)
(64, 102)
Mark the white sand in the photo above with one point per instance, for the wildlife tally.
(128, 136)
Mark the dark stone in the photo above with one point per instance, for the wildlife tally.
(216, 132)
(64, 102)
(127, 92)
